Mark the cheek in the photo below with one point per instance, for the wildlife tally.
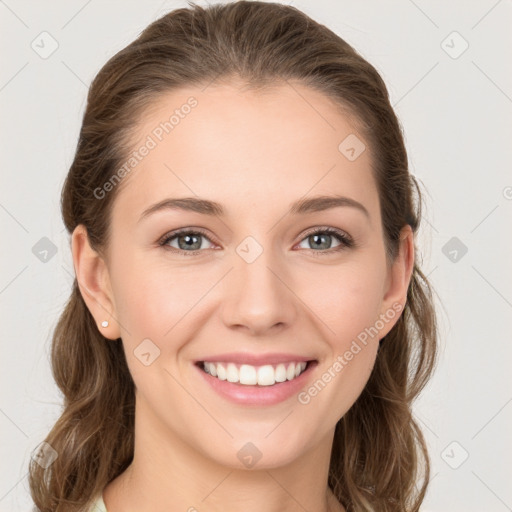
(347, 299)
(156, 302)
(150, 296)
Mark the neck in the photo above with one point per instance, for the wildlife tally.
(167, 474)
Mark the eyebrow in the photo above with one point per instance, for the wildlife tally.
(214, 209)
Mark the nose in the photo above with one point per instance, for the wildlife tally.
(258, 295)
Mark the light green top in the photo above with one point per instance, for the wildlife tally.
(99, 504)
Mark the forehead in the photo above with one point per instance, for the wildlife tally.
(244, 148)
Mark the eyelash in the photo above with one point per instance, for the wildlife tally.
(346, 242)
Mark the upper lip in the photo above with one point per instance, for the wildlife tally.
(255, 359)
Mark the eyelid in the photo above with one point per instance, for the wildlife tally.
(172, 234)
(329, 230)
(346, 240)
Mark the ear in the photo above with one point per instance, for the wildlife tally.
(94, 282)
(397, 283)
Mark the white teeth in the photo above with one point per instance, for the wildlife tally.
(246, 374)
(221, 371)
(232, 373)
(290, 372)
(280, 373)
(266, 375)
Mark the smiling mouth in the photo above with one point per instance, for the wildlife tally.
(249, 375)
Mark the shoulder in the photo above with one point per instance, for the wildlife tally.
(98, 504)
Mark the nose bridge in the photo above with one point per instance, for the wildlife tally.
(257, 296)
(253, 266)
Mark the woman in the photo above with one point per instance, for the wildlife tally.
(248, 325)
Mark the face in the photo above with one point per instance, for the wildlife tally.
(258, 287)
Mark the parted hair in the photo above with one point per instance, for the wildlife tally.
(379, 459)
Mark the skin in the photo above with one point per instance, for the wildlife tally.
(255, 153)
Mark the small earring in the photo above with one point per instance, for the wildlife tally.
(104, 323)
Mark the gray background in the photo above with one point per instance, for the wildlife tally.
(455, 107)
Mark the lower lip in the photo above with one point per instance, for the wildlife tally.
(258, 395)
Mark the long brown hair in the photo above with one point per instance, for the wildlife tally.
(379, 459)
